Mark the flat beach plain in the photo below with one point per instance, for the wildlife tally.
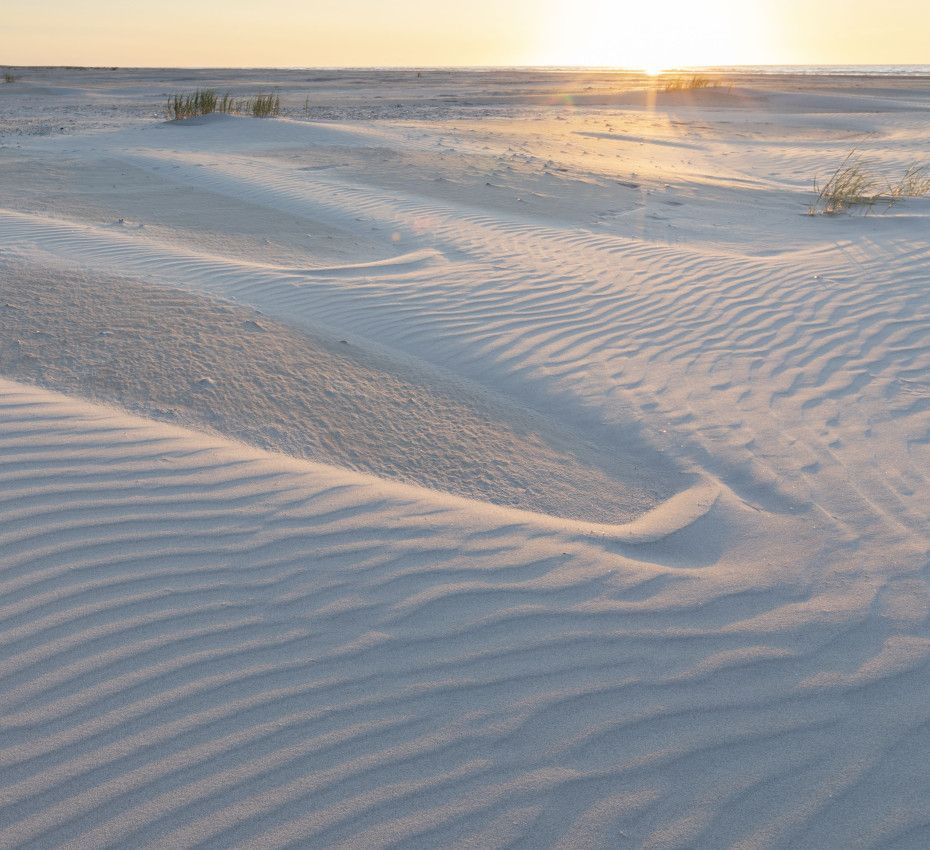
(470, 459)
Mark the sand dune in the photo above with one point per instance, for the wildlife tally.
(544, 481)
(194, 360)
(209, 646)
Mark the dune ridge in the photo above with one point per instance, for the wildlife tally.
(183, 358)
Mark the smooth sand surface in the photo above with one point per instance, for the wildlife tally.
(478, 460)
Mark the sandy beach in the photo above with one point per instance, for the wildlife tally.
(463, 459)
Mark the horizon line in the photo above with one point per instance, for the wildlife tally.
(428, 67)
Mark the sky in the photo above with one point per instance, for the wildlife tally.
(330, 33)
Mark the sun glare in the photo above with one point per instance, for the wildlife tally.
(612, 33)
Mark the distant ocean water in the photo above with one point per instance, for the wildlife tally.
(768, 70)
(771, 70)
(916, 71)
(827, 70)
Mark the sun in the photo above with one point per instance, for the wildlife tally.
(628, 34)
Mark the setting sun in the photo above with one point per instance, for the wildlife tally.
(676, 34)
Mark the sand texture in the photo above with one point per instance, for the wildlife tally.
(484, 460)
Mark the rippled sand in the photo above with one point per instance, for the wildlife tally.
(484, 459)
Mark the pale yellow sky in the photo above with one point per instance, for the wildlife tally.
(656, 34)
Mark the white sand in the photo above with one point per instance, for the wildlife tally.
(606, 525)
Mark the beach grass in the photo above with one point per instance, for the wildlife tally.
(914, 184)
(693, 82)
(9, 77)
(195, 104)
(849, 186)
(853, 185)
(207, 102)
(263, 106)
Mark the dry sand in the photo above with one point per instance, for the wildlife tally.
(530, 470)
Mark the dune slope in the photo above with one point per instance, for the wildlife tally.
(208, 646)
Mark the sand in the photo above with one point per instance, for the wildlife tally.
(484, 459)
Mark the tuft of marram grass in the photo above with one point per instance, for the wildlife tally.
(9, 77)
(849, 186)
(264, 106)
(914, 184)
(195, 104)
(853, 185)
(692, 83)
(206, 102)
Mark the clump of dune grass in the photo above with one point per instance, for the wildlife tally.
(263, 106)
(226, 104)
(201, 102)
(914, 184)
(849, 186)
(854, 185)
(9, 77)
(206, 102)
(687, 83)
